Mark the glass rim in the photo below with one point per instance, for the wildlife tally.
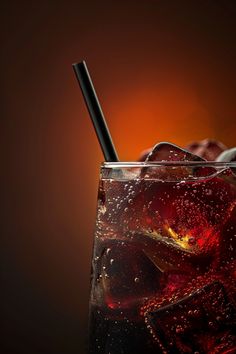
(139, 164)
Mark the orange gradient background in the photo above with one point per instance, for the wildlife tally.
(163, 71)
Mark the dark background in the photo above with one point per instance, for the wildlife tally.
(164, 70)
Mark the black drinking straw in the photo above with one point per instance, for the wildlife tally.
(95, 111)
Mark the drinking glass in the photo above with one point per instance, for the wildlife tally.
(163, 267)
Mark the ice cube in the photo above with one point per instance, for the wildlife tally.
(207, 149)
(126, 275)
(169, 152)
(165, 257)
(227, 156)
(198, 320)
(188, 216)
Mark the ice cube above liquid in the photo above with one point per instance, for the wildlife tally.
(170, 152)
(167, 152)
(227, 156)
(164, 276)
(208, 149)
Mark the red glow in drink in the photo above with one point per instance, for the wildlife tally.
(163, 277)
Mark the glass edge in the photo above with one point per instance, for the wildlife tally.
(130, 164)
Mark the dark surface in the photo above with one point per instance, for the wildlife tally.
(51, 158)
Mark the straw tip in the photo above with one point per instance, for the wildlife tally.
(79, 64)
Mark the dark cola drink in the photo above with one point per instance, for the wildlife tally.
(163, 270)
